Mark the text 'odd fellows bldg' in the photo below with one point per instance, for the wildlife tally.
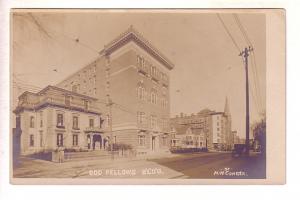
(128, 86)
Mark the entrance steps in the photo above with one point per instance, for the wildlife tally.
(89, 155)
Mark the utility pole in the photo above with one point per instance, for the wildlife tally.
(109, 104)
(245, 54)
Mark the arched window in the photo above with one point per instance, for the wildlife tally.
(153, 96)
(164, 101)
(141, 92)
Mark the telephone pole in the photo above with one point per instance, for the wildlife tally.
(109, 104)
(245, 54)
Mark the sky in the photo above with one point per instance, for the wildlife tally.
(207, 69)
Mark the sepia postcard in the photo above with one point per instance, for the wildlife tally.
(147, 96)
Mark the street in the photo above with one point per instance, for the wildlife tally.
(190, 165)
(216, 165)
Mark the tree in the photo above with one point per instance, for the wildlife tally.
(259, 134)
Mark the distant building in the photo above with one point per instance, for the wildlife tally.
(134, 75)
(214, 127)
(53, 118)
(188, 137)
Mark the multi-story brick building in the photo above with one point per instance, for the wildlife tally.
(214, 126)
(133, 77)
(53, 118)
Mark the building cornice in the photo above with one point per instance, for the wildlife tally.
(132, 35)
(47, 104)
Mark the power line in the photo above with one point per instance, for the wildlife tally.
(228, 32)
(257, 93)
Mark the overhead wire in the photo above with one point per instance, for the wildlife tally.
(254, 67)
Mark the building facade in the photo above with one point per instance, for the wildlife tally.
(130, 79)
(185, 136)
(199, 124)
(54, 118)
(214, 127)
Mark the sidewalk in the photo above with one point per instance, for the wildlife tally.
(136, 167)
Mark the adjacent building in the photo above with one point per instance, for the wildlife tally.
(206, 127)
(130, 80)
(55, 117)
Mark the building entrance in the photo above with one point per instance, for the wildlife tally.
(97, 142)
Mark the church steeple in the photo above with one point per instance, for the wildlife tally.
(226, 109)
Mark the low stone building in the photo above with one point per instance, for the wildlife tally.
(54, 118)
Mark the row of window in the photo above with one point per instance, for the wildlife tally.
(142, 119)
(142, 140)
(149, 68)
(68, 100)
(59, 140)
(75, 140)
(142, 95)
(60, 121)
(75, 124)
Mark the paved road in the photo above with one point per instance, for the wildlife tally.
(216, 165)
(196, 165)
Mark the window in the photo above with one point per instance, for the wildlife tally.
(41, 139)
(141, 61)
(141, 93)
(153, 71)
(91, 123)
(115, 139)
(41, 119)
(75, 140)
(101, 122)
(60, 120)
(68, 99)
(75, 122)
(141, 117)
(59, 140)
(95, 91)
(164, 102)
(31, 121)
(153, 97)
(94, 80)
(142, 140)
(31, 140)
(86, 104)
(153, 121)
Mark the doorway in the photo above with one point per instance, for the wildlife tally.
(97, 142)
